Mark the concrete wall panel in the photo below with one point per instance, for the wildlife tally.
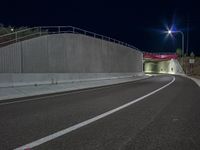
(10, 58)
(69, 53)
(35, 55)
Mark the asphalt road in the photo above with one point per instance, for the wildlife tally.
(168, 119)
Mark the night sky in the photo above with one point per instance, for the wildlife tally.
(139, 23)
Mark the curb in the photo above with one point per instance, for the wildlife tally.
(63, 90)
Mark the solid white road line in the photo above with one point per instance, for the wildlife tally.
(84, 123)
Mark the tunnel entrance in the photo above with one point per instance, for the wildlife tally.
(161, 64)
(157, 66)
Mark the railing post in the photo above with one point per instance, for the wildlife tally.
(59, 29)
(40, 30)
(16, 37)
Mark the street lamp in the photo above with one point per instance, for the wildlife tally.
(182, 34)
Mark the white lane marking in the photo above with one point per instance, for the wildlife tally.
(84, 123)
(63, 94)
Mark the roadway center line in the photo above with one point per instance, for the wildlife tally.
(84, 123)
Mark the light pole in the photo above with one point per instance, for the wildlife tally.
(182, 34)
(182, 52)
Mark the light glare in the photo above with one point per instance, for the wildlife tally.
(169, 31)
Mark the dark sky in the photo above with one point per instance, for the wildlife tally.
(139, 23)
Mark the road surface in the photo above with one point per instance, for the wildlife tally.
(161, 112)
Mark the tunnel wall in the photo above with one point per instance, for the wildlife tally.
(165, 66)
(69, 53)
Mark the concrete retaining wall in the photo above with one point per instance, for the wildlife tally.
(69, 53)
(64, 58)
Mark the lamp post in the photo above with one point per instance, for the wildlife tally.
(182, 34)
(182, 52)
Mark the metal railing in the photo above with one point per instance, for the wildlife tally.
(33, 32)
(159, 53)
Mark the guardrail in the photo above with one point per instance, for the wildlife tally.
(29, 33)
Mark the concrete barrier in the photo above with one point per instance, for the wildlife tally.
(25, 79)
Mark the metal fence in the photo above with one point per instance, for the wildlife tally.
(29, 33)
